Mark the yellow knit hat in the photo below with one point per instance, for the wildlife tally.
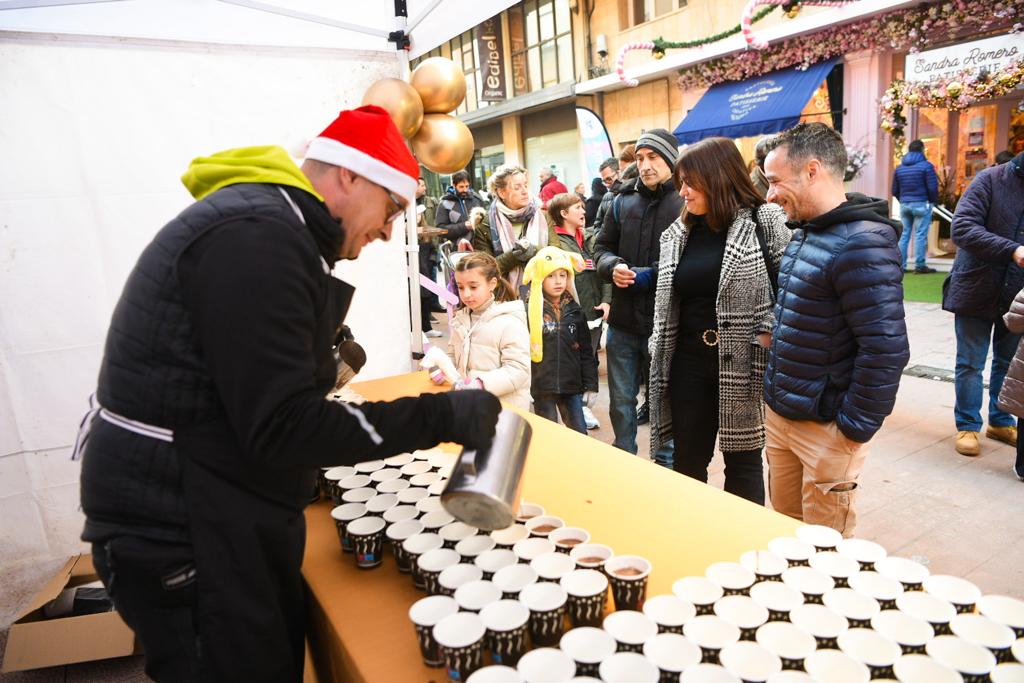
(546, 261)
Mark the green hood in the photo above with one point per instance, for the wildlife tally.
(267, 164)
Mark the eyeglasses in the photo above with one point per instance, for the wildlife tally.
(399, 207)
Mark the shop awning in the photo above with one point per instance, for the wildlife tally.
(766, 104)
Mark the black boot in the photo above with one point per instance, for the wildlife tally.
(643, 414)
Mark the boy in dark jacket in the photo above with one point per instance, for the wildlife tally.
(563, 362)
(915, 184)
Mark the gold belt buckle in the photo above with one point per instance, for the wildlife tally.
(714, 337)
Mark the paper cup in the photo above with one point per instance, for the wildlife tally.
(385, 474)
(669, 613)
(429, 504)
(924, 669)
(398, 460)
(513, 578)
(588, 647)
(414, 468)
(433, 521)
(457, 575)
(568, 537)
(766, 565)
(344, 515)
(628, 575)
(529, 548)
(588, 593)
(711, 633)
(440, 459)
(744, 612)
(699, 591)
(910, 574)
(546, 602)
(776, 597)
(810, 582)
(749, 661)
(552, 566)
(786, 676)
(909, 632)
(496, 673)
(935, 611)
(839, 567)
(369, 466)
(1017, 650)
(628, 667)
(400, 513)
(430, 565)
(821, 622)
(507, 537)
(546, 665)
(367, 536)
(591, 555)
(872, 649)
(461, 637)
(471, 547)
(630, 629)
(980, 630)
(787, 642)
(331, 477)
(865, 552)
(392, 486)
(960, 593)
(360, 495)
(707, 673)
(528, 511)
(973, 662)
(437, 488)
(831, 666)
(506, 622)
(411, 496)
(856, 607)
(453, 532)
(425, 614)
(397, 533)
(874, 585)
(672, 653)
(796, 552)
(413, 547)
(543, 525)
(733, 577)
(1004, 610)
(426, 480)
(475, 595)
(424, 454)
(823, 538)
(1008, 673)
(490, 561)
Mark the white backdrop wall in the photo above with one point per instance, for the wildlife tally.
(94, 135)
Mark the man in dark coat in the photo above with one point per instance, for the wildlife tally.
(454, 209)
(916, 185)
(987, 274)
(627, 253)
(593, 202)
(215, 417)
(839, 343)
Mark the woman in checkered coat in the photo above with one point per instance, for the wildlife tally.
(713, 318)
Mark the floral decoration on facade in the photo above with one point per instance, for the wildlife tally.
(955, 93)
(856, 160)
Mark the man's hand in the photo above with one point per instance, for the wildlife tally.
(622, 276)
(764, 339)
(605, 310)
(469, 224)
(1018, 256)
(474, 415)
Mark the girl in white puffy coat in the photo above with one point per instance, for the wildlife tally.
(490, 342)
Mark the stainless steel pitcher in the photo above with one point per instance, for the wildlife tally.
(483, 490)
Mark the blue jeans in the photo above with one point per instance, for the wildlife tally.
(569, 405)
(917, 218)
(972, 344)
(627, 355)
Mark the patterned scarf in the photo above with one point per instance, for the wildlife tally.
(503, 221)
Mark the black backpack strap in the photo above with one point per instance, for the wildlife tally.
(773, 275)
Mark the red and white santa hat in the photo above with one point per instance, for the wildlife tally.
(367, 142)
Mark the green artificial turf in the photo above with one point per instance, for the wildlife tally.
(923, 288)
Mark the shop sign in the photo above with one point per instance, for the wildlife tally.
(491, 59)
(989, 54)
(517, 43)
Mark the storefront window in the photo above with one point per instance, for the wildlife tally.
(485, 160)
(639, 11)
(540, 33)
(976, 142)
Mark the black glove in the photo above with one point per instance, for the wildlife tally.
(523, 251)
(474, 414)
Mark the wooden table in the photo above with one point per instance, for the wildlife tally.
(359, 625)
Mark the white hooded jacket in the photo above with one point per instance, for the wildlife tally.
(493, 345)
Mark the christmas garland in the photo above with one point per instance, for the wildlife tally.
(791, 7)
(661, 45)
(955, 93)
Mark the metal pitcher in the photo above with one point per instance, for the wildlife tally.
(483, 490)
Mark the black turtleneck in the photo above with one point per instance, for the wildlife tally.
(696, 278)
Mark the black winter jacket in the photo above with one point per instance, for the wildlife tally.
(840, 339)
(630, 234)
(453, 212)
(569, 365)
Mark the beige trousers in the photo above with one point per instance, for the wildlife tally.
(813, 471)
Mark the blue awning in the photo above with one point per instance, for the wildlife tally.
(766, 104)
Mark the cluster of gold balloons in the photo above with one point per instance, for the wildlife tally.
(420, 109)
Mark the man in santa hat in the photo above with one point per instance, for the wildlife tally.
(214, 418)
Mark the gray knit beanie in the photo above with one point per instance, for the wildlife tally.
(662, 142)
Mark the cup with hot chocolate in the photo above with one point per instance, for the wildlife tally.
(544, 524)
(628, 575)
(591, 555)
(568, 537)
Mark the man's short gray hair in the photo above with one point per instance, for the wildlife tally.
(806, 141)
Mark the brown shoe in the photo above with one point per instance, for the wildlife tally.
(1007, 435)
(967, 443)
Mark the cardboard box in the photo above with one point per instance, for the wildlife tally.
(34, 641)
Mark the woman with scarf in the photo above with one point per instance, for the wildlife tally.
(515, 227)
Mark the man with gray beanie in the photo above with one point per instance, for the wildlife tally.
(627, 256)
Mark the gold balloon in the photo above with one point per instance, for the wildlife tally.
(440, 83)
(444, 144)
(400, 100)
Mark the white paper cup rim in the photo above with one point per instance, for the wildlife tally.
(926, 606)
(924, 669)
(495, 673)
(570, 533)
(669, 610)
(543, 596)
(711, 631)
(382, 502)
(1008, 673)
(749, 661)
(591, 550)
(835, 565)
(412, 495)
(742, 611)
(672, 652)
(437, 519)
(426, 479)
(458, 574)
(510, 534)
(437, 559)
(730, 575)
(529, 548)
(366, 526)
(456, 531)
(700, 590)
(415, 467)
(392, 486)
(952, 588)
(588, 644)
(544, 520)
(818, 620)
(875, 585)
(459, 630)
(1002, 608)
(504, 615)
(819, 536)
(791, 548)
(785, 640)
(421, 543)
(514, 577)
(355, 481)
(472, 546)
(546, 664)
(400, 513)
(707, 673)
(764, 562)
(957, 653)
(628, 667)
(398, 460)
(399, 531)
(368, 466)
(553, 565)
(495, 559)
(851, 604)
(808, 581)
(980, 630)
(833, 665)
(776, 596)
(903, 628)
(360, 495)
(861, 550)
(386, 474)
(616, 562)
(869, 647)
(901, 569)
(431, 609)
(348, 512)
(530, 509)
(429, 504)
(474, 595)
(339, 473)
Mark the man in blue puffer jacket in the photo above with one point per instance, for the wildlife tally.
(840, 339)
(915, 184)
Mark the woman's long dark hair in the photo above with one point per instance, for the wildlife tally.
(715, 167)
